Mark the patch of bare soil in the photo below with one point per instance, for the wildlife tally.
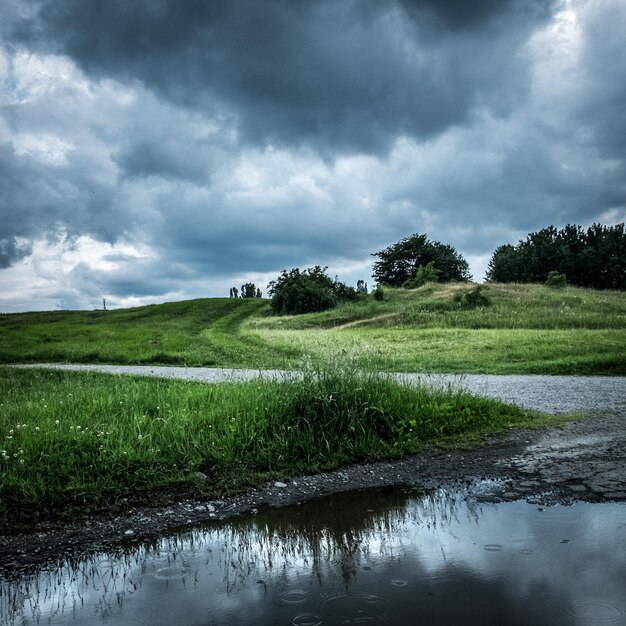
(582, 460)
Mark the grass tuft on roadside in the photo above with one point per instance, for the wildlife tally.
(81, 441)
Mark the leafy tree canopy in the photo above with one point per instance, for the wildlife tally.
(592, 258)
(307, 291)
(400, 262)
(248, 290)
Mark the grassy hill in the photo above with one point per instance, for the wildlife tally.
(525, 329)
(193, 332)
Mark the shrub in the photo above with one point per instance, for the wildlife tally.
(424, 274)
(473, 299)
(379, 293)
(307, 291)
(556, 280)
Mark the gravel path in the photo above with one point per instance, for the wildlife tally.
(551, 394)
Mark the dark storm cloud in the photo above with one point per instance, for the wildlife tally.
(602, 107)
(12, 251)
(220, 235)
(159, 156)
(339, 75)
(138, 278)
(216, 140)
(37, 200)
(463, 15)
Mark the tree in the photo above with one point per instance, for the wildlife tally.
(307, 291)
(504, 265)
(592, 258)
(400, 261)
(248, 290)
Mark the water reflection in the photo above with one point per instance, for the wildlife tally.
(376, 556)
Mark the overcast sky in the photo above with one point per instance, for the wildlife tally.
(155, 150)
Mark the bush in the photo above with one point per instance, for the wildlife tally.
(556, 280)
(473, 299)
(307, 291)
(379, 293)
(425, 274)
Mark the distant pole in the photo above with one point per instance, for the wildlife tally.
(104, 304)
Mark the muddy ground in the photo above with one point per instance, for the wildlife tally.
(581, 460)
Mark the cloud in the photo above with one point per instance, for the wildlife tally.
(230, 140)
(601, 96)
(12, 251)
(340, 76)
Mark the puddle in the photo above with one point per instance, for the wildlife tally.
(379, 556)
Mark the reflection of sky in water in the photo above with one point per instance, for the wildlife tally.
(369, 557)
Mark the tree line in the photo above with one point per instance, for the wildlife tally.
(595, 258)
(248, 290)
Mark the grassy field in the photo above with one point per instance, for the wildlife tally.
(193, 332)
(526, 329)
(81, 441)
(77, 441)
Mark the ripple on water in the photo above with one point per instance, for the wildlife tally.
(171, 573)
(492, 547)
(357, 608)
(594, 611)
(129, 622)
(399, 582)
(109, 565)
(307, 619)
(294, 596)
(523, 545)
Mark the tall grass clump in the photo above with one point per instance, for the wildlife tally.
(71, 439)
(337, 413)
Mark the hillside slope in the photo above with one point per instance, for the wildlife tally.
(193, 332)
(524, 329)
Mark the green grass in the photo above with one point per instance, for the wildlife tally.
(73, 440)
(482, 351)
(433, 306)
(194, 332)
(526, 329)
